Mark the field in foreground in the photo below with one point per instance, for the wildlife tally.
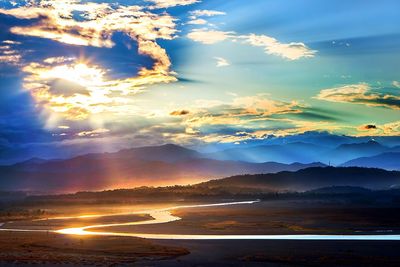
(267, 217)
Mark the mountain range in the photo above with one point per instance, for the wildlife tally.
(161, 165)
(313, 178)
(305, 153)
(172, 164)
(11, 153)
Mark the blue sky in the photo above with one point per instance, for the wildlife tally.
(105, 75)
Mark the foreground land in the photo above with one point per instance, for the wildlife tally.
(317, 216)
(29, 248)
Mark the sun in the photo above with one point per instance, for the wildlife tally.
(80, 73)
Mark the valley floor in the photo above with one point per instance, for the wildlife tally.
(266, 217)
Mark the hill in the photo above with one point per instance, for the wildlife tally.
(313, 178)
(389, 161)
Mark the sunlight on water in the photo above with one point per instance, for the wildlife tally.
(164, 216)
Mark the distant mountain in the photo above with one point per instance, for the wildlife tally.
(153, 166)
(166, 153)
(388, 161)
(303, 152)
(11, 153)
(285, 153)
(313, 178)
(347, 152)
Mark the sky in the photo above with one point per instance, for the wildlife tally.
(82, 76)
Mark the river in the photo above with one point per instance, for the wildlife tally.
(164, 216)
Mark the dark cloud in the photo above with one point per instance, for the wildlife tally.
(369, 127)
(179, 112)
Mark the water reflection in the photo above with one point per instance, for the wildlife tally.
(164, 216)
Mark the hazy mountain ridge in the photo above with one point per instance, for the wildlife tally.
(389, 161)
(163, 165)
(305, 153)
(172, 164)
(10, 154)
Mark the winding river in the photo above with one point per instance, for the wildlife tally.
(165, 216)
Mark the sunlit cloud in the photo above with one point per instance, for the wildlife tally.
(206, 13)
(12, 59)
(8, 54)
(387, 129)
(9, 42)
(96, 27)
(293, 127)
(172, 3)
(179, 112)
(291, 51)
(75, 90)
(209, 37)
(195, 16)
(221, 62)
(197, 22)
(241, 111)
(93, 133)
(361, 93)
(63, 127)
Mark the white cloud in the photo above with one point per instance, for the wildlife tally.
(11, 42)
(197, 22)
(222, 62)
(206, 13)
(9, 55)
(172, 3)
(63, 127)
(396, 84)
(93, 133)
(206, 36)
(291, 51)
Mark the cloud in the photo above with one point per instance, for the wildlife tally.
(209, 37)
(239, 112)
(361, 93)
(172, 3)
(396, 84)
(197, 22)
(386, 129)
(291, 51)
(222, 62)
(9, 55)
(12, 59)
(63, 127)
(291, 127)
(206, 13)
(179, 112)
(55, 20)
(86, 90)
(93, 133)
(75, 90)
(245, 118)
(9, 42)
(367, 127)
